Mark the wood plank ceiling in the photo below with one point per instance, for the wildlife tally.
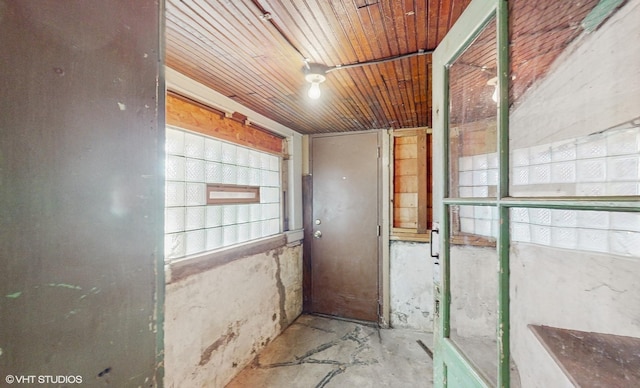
(377, 53)
(253, 51)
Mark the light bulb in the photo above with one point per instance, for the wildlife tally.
(314, 91)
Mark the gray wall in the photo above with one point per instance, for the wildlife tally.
(81, 190)
(218, 319)
(411, 285)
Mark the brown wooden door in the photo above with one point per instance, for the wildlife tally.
(344, 250)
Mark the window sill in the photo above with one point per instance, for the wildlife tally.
(294, 237)
(472, 240)
(192, 265)
(406, 234)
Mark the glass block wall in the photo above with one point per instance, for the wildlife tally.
(192, 162)
(606, 163)
(592, 231)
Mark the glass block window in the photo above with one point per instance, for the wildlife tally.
(194, 162)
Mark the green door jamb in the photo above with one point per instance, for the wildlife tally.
(504, 370)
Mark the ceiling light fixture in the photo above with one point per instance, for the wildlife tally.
(315, 75)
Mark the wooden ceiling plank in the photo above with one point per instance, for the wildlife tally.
(364, 103)
(362, 36)
(395, 73)
(407, 12)
(348, 52)
(327, 28)
(238, 41)
(410, 66)
(432, 23)
(393, 31)
(360, 109)
(226, 46)
(396, 99)
(356, 105)
(443, 20)
(420, 20)
(390, 96)
(293, 123)
(341, 108)
(349, 31)
(259, 109)
(378, 28)
(409, 99)
(291, 19)
(204, 32)
(384, 113)
(195, 56)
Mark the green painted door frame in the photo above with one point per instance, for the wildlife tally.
(451, 367)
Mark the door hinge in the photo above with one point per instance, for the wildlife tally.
(378, 151)
(378, 230)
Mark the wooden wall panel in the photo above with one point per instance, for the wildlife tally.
(412, 192)
(429, 182)
(406, 167)
(406, 200)
(406, 184)
(422, 174)
(405, 218)
(405, 172)
(187, 114)
(406, 151)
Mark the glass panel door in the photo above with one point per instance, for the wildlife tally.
(473, 173)
(537, 195)
(469, 344)
(574, 186)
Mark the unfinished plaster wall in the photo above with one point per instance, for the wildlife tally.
(592, 286)
(411, 285)
(218, 320)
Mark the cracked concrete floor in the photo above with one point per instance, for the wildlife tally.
(320, 352)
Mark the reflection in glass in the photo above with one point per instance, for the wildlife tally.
(573, 270)
(611, 233)
(473, 158)
(573, 132)
(474, 286)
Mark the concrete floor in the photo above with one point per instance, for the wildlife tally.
(320, 352)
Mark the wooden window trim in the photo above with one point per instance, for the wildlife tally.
(183, 112)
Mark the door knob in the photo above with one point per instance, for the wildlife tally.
(317, 234)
